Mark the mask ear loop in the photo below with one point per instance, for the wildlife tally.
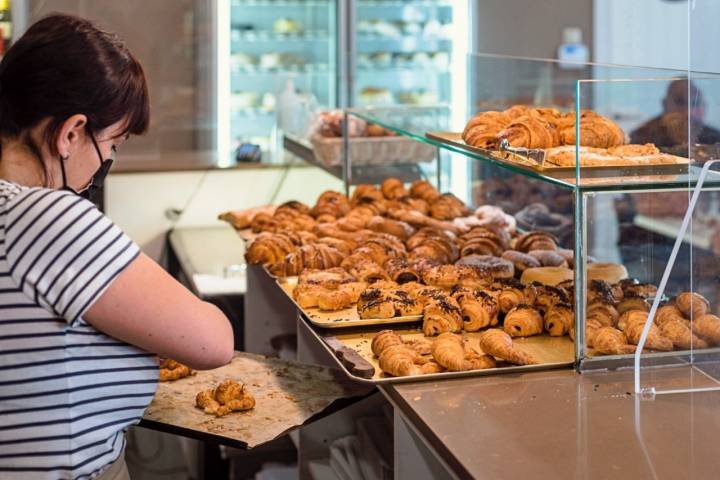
(62, 169)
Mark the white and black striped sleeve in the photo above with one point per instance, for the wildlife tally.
(62, 251)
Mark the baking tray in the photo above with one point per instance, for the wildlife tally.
(553, 352)
(345, 318)
(455, 139)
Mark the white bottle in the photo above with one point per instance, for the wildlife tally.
(573, 54)
(288, 108)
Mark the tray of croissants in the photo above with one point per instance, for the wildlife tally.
(552, 133)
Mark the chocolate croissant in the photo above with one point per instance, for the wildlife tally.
(441, 314)
(478, 309)
(401, 271)
(559, 319)
(523, 321)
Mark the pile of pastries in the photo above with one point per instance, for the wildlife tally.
(602, 141)
(330, 124)
(229, 396)
(447, 352)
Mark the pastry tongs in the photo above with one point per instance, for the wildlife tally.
(535, 154)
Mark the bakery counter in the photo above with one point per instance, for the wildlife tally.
(556, 424)
(192, 160)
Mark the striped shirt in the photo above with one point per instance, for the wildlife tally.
(67, 391)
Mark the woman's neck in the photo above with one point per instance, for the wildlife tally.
(18, 164)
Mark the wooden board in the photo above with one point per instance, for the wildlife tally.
(549, 352)
(287, 394)
(455, 139)
(344, 318)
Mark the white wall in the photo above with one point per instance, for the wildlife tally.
(138, 202)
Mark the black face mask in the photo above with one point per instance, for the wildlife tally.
(93, 189)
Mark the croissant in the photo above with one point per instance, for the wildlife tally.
(603, 313)
(401, 271)
(424, 190)
(448, 351)
(447, 207)
(383, 340)
(632, 324)
(692, 305)
(530, 132)
(518, 111)
(607, 340)
(632, 302)
(431, 367)
(482, 130)
(241, 219)
(292, 206)
(595, 131)
(441, 314)
(523, 321)
(268, 249)
(512, 294)
(497, 343)
(707, 327)
(669, 313)
(535, 240)
(478, 309)
(399, 361)
(368, 271)
(396, 228)
(476, 360)
(393, 188)
(365, 193)
(330, 204)
(559, 319)
(681, 336)
(307, 256)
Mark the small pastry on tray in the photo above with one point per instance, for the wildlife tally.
(523, 321)
(171, 370)
(229, 396)
(500, 345)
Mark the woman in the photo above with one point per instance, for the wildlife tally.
(82, 311)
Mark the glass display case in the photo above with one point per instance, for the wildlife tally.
(613, 188)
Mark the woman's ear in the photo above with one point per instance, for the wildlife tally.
(70, 134)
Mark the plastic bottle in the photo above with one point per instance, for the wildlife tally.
(573, 50)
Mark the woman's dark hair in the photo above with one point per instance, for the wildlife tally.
(65, 65)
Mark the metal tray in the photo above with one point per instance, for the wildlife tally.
(345, 318)
(553, 352)
(455, 139)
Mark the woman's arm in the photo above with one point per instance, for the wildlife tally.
(146, 307)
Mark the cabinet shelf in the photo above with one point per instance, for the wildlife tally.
(309, 69)
(280, 3)
(399, 4)
(238, 35)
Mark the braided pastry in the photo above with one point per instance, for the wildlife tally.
(530, 132)
(499, 344)
(482, 130)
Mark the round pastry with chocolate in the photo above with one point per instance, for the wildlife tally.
(484, 264)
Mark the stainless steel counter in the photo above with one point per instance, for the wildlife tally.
(560, 424)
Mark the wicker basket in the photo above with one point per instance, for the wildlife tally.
(372, 151)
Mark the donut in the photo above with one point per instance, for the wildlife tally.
(495, 266)
(547, 275)
(549, 258)
(568, 255)
(521, 261)
(610, 272)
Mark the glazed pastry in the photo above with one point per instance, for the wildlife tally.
(707, 327)
(530, 132)
(632, 302)
(477, 360)
(632, 324)
(440, 315)
(604, 313)
(399, 270)
(535, 240)
(171, 370)
(522, 261)
(392, 189)
(478, 309)
(229, 396)
(669, 313)
(489, 265)
(559, 319)
(448, 351)
(511, 294)
(549, 258)
(612, 273)
(546, 297)
(424, 190)
(401, 230)
(483, 129)
(383, 340)
(443, 276)
(550, 276)
(492, 216)
(681, 336)
(523, 321)
(595, 131)
(692, 305)
(399, 361)
(499, 344)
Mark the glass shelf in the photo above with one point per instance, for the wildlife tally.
(403, 68)
(238, 35)
(280, 3)
(308, 69)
